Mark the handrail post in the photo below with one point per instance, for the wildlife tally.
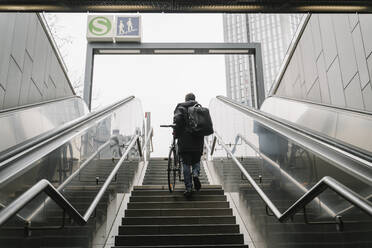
(148, 138)
(139, 147)
(213, 144)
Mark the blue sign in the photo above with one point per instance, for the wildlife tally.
(128, 26)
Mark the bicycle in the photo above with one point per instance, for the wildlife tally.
(174, 163)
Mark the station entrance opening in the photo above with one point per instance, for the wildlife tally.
(100, 48)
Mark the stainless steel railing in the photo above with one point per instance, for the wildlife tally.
(323, 184)
(46, 187)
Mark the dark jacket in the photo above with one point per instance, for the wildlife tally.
(186, 141)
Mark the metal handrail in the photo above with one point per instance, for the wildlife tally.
(17, 215)
(46, 187)
(323, 184)
(8, 157)
(73, 175)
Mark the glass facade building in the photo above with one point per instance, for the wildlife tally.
(274, 32)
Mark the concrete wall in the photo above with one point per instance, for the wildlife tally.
(30, 71)
(332, 63)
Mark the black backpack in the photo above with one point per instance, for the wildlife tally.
(199, 122)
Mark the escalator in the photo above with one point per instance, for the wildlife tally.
(292, 185)
(64, 171)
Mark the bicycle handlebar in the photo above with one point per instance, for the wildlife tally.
(168, 125)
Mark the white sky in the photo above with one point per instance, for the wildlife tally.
(160, 81)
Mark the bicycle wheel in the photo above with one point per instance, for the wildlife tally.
(172, 170)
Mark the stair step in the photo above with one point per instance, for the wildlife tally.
(177, 198)
(184, 204)
(187, 246)
(165, 187)
(179, 192)
(179, 220)
(178, 229)
(178, 212)
(175, 239)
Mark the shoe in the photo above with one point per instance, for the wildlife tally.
(197, 183)
(187, 193)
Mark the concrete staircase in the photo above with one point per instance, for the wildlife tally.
(157, 218)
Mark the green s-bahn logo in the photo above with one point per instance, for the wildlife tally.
(100, 26)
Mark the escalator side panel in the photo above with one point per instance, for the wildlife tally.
(349, 127)
(21, 125)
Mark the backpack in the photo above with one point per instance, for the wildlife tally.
(199, 122)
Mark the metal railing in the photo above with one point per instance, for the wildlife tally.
(46, 187)
(323, 184)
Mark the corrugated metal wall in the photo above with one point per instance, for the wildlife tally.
(30, 71)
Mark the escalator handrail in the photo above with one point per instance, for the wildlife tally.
(323, 184)
(328, 140)
(45, 186)
(23, 149)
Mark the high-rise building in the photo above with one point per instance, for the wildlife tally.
(274, 32)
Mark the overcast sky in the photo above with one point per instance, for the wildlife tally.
(160, 81)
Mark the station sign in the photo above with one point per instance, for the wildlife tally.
(109, 28)
(128, 28)
(100, 28)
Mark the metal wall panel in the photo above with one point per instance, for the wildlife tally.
(26, 78)
(314, 22)
(340, 47)
(38, 70)
(367, 97)
(34, 94)
(353, 94)
(369, 65)
(314, 93)
(13, 85)
(31, 35)
(328, 39)
(335, 85)
(308, 59)
(293, 70)
(345, 48)
(6, 29)
(301, 75)
(366, 26)
(19, 39)
(323, 81)
(360, 56)
(2, 94)
(353, 20)
(24, 42)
